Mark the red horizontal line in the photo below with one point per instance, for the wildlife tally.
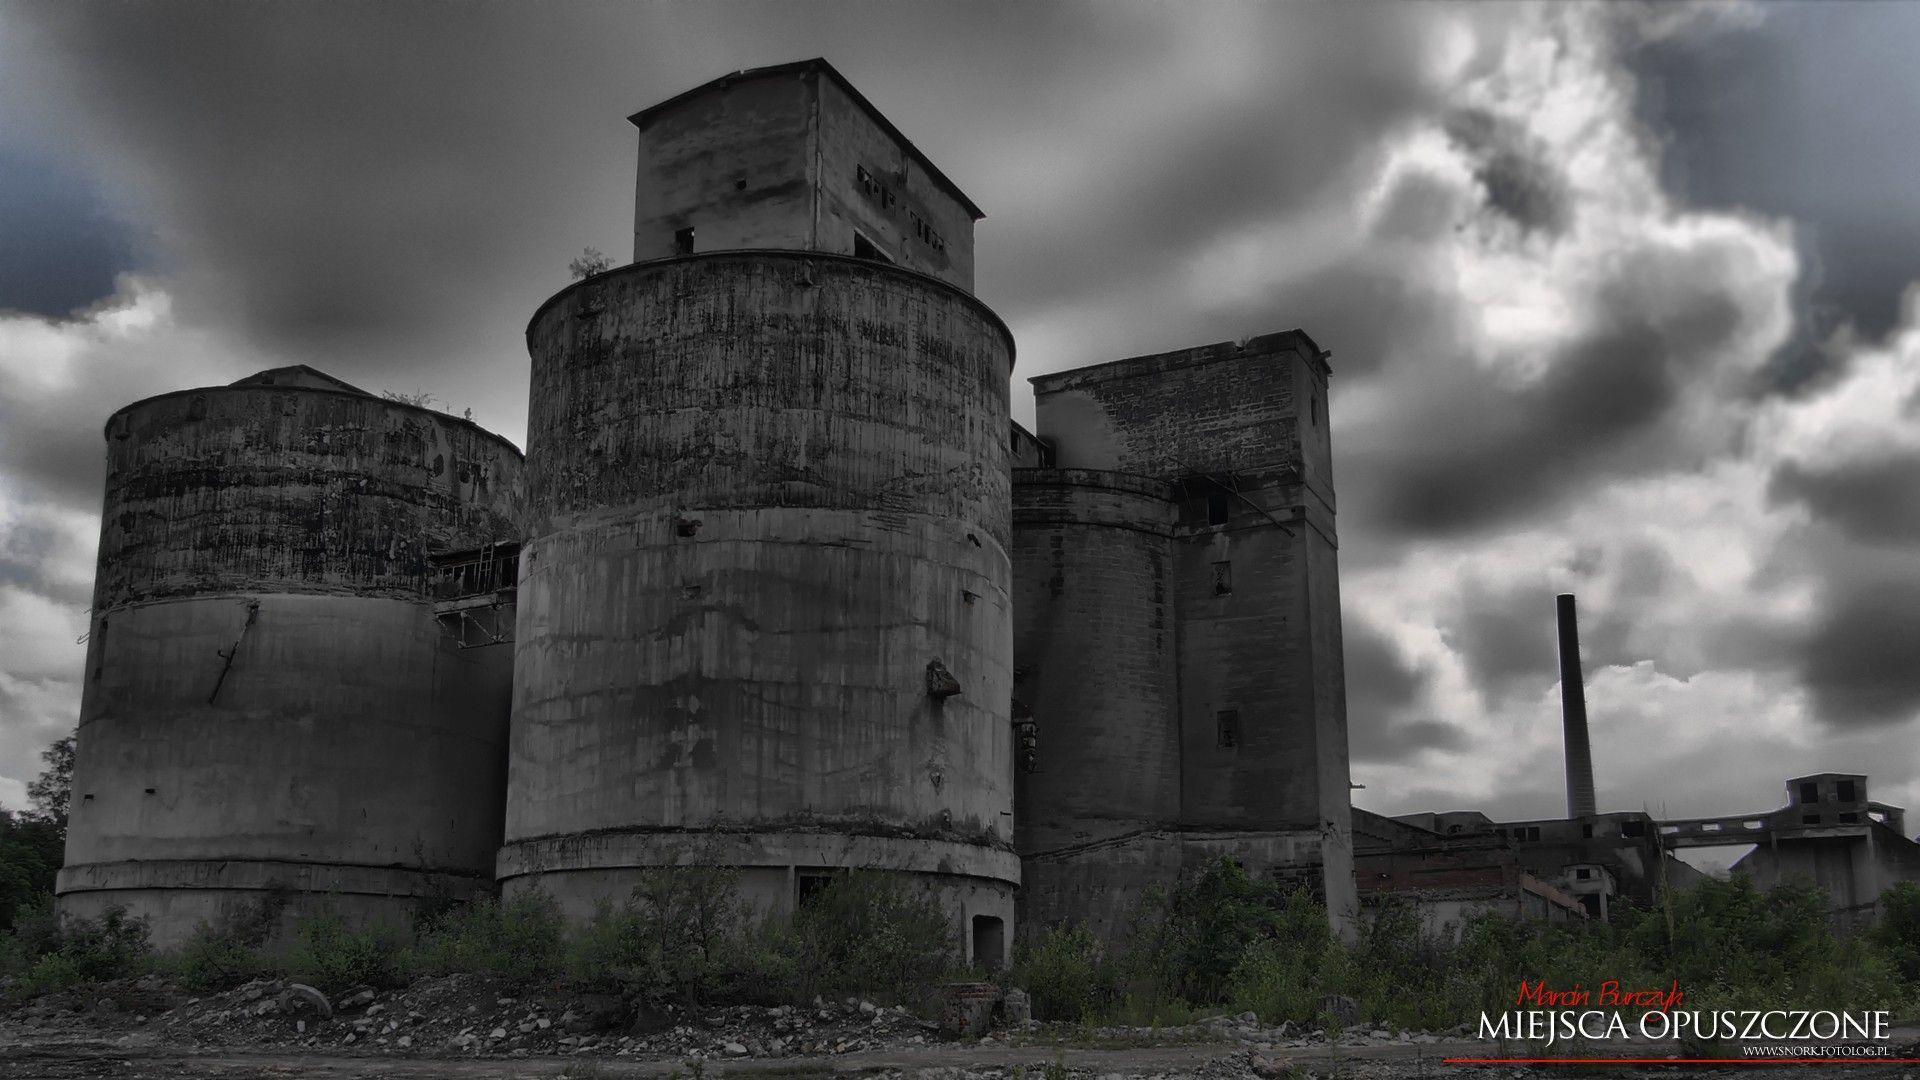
(1684, 1061)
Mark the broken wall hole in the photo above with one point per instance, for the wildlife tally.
(989, 942)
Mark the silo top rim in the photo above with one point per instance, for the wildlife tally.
(312, 381)
(784, 254)
(818, 64)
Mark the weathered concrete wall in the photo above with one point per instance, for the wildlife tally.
(769, 488)
(1101, 885)
(269, 703)
(788, 157)
(907, 203)
(1094, 634)
(1240, 431)
(736, 165)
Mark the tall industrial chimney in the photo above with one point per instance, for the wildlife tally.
(1573, 713)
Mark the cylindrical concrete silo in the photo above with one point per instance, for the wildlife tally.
(271, 708)
(768, 510)
(1094, 643)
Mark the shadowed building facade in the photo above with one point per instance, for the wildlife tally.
(1178, 629)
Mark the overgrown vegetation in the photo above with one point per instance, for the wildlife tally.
(1221, 941)
(1226, 942)
(683, 935)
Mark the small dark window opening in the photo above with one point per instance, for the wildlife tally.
(864, 248)
(809, 884)
(740, 184)
(1583, 874)
(1228, 726)
(1849, 819)
(1809, 819)
(1217, 508)
(1586, 833)
(1532, 833)
(1313, 411)
(100, 652)
(683, 241)
(1222, 578)
(1809, 792)
(1843, 791)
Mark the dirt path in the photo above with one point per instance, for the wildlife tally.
(139, 1058)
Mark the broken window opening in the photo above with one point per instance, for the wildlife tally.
(1586, 832)
(1809, 792)
(1842, 791)
(1850, 819)
(1633, 828)
(809, 883)
(1222, 578)
(864, 248)
(1218, 509)
(1809, 819)
(683, 241)
(1227, 728)
(1583, 874)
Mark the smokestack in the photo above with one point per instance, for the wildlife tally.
(1573, 713)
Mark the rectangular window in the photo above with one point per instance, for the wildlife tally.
(1586, 832)
(1809, 819)
(1843, 791)
(1810, 792)
(683, 241)
(1583, 875)
(1227, 723)
(1222, 578)
(1218, 508)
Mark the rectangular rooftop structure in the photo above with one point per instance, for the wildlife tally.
(793, 157)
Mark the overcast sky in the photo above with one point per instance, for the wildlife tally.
(1617, 298)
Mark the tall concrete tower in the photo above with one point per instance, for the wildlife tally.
(1178, 630)
(273, 706)
(764, 610)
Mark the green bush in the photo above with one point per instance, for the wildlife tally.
(51, 954)
(870, 932)
(1897, 933)
(332, 955)
(1062, 970)
(228, 953)
(678, 937)
(522, 940)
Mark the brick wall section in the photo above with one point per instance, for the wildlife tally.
(1093, 633)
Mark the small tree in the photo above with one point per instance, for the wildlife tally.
(52, 792)
(420, 398)
(590, 262)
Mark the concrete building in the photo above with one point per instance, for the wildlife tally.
(1178, 629)
(765, 615)
(1828, 833)
(271, 706)
(757, 604)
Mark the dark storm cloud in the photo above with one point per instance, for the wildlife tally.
(1877, 500)
(1520, 182)
(1507, 638)
(1859, 659)
(59, 245)
(1812, 113)
(1381, 687)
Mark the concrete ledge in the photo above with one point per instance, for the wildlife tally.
(600, 851)
(265, 875)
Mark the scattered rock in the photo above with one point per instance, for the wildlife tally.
(304, 1002)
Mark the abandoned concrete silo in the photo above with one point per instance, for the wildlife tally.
(272, 706)
(764, 606)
